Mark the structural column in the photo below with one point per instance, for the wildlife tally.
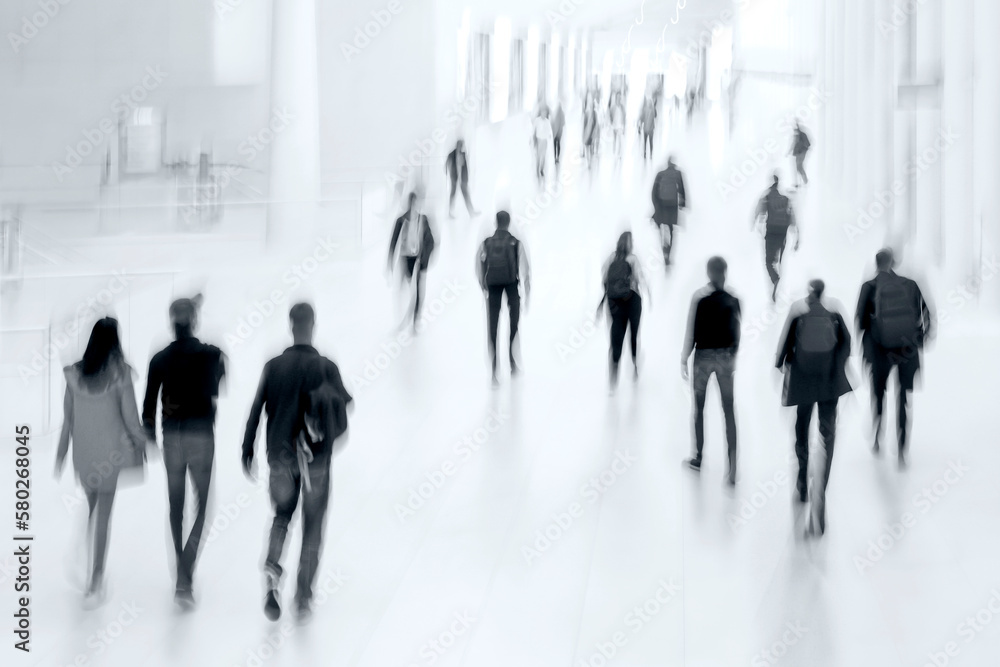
(295, 148)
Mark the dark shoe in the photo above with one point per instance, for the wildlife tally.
(271, 607)
(803, 495)
(774, 294)
(693, 463)
(902, 461)
(731, 478)
(875, 448)
(303, 611)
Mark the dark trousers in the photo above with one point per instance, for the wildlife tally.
(721, 363)
(187, 452)
(774, 248)
(286, 485)
(465, 194)
(415, 272)
(800, 167)
(828, 433)
(495, 295)
(99, 504)
(557, 147)
(647, 140)
(625, 314)
(906, 363)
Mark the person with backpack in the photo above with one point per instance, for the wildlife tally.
(800, 146)
(894, 321)
(669, 196)
(306, 404)
(713, 335)
(501, 259)
(623, 285)
(778, 216)
(101, 418)
(813, 352)
(189, 373)
(412, 234)
(456, 166)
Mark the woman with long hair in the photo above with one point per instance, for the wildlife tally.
(623, 282)
(102, 419)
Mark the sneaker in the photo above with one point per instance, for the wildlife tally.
(693, 463)
(271, 607)
(184, 598)
(303, 611)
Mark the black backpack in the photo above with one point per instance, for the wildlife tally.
(618, 282)
(897, 313)
(500, 260)
(815, 343)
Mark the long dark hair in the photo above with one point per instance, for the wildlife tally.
(104, 350)
(624, 248)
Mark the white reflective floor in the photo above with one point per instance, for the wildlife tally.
(509, 553)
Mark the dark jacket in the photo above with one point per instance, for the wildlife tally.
(426, 241)
(867, 324)
(665, 212)
(189, 372)
(451, 168)
(284, 390)
(803, 387)
(802, 143)
(713, 321)
(778, 210)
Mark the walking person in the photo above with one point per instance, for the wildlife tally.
(456, 166)
(647, 125)
(501, 261)
(713, 335)
(306, 404)
(669, 196)
(590, 131)
(413, 236)
(813, 352)
(776, 212)
(558, 123)
(800, 147)
(623, 286)
(188, 373)
(101, 418)
(895, 321)
(542, 136)
(617, 115)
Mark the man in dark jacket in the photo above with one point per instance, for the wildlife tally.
(813, 352)
(456, 166)
(286, 386)
(412, 234)
(892, 335)
(501, 266)
(713, 334)
(775, 209)
(668, 196)
(800, 147)
(189, 373)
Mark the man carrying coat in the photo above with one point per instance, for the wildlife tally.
(813, 352)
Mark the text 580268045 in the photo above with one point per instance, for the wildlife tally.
(22, 541)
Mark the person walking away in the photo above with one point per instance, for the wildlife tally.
(542, 135)
(713, 335)
(778, 216)
(623, 285)
(647, 122)
(306, 404)
(189, 373)
(558, 123)
(669, 196)
(456, 166)
(501, 259)
(814, 348)
(590, 131)
(617, 113)
(895, 322)
(413, 236)
(800, 147)
(101, 419)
